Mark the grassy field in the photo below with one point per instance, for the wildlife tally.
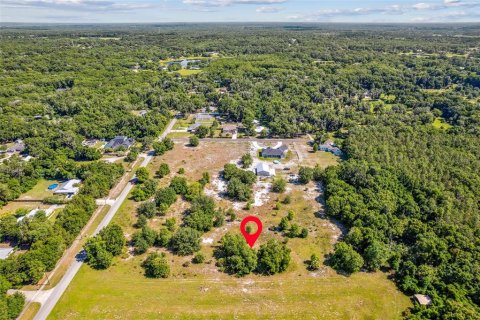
(179, 135)
(187, 72)
(122, 292)
(439, 123)
(184, 123)
(38, 192)
(200, 291)
(30, 311)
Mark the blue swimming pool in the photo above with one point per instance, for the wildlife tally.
(52, 186)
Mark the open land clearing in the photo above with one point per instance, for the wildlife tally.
(26, 200)
(201, 291)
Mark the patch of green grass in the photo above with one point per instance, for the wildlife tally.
(179, 135)
(187, 72)
(184, 123)
(435, 91)
(30, 312)
(388, 97)
(452, 55)
(123, 292)
(38, 192)
(439, 123)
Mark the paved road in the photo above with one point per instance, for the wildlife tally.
(240, 140)
(57, 292)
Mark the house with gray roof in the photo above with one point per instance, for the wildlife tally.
(279, 152)
(19, 147)
(194, 127)
(120, 141)
(329, 146)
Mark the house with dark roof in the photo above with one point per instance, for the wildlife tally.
(19, 147)
(279, 152)
(230, 129)
(203, 117)
(194, 127)
(120, 141)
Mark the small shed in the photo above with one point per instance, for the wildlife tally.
(422, 299)
(263, 170)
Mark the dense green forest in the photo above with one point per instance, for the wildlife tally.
(403, 102)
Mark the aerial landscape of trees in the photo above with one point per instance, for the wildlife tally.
(402, 103)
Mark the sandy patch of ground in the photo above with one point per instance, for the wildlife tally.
(207, 241)
(209, 156)
(261, 192)
(216, 188)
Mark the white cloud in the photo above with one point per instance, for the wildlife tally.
(266, 9)
(395, 9)
(423, 6)
(224, 3)
(451, 2)
(82, 5)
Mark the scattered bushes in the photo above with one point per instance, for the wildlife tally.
(201, 214)
(198, 258)
(234, 256)
(313, 263)
(102, 248)
(186, 241)
(179, 184)
(163, 146)
(145, 190)
(346, 258)
(247, 160)
(194, 141)
(147, 209)
(163, 170)
(156, 266)
(273, 257)
(279, 185)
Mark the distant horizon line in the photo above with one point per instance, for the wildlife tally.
(239, 22)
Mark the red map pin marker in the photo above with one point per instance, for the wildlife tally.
(251, 238)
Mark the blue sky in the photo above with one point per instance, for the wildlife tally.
(138, 11)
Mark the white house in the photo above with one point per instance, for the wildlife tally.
(5, 252)
(68, 188)
(263, 170)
